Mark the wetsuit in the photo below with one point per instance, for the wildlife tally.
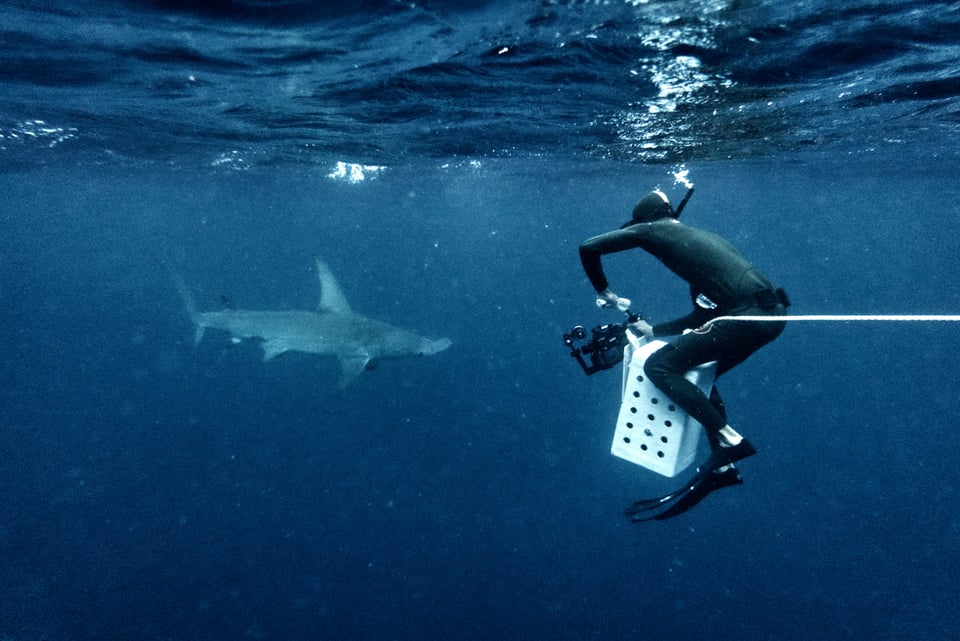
(724, 283)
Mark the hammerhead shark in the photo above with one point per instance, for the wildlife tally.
(334, 329)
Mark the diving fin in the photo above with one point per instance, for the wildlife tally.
(717, 472)
(716, 480)
(727, 455)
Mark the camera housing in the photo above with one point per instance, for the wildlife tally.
(604, 349)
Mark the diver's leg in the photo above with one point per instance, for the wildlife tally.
(717, 401)
(729, 344)
(666, 368)
(718, 405)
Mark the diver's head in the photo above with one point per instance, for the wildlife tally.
(653, 206)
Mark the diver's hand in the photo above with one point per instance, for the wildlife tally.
(609, 300)
(641, 328)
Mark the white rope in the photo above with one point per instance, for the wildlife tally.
(914, 318)
(847, 317)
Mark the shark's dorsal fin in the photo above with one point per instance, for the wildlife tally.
(331, 298)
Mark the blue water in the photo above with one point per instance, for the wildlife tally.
(446, 159)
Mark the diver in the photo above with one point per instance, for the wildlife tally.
(722, 283)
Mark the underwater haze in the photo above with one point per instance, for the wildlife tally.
(446, 159)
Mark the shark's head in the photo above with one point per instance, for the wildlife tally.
(428, 346)
(401, 343)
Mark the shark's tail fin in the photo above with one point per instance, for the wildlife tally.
(187, 300)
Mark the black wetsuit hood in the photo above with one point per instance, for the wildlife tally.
(653, 206)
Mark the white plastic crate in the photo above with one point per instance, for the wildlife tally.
(652, 431)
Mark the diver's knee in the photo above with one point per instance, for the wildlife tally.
(657, 366)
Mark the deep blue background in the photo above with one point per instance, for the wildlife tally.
(155, 490)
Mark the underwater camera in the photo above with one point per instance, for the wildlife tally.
(604, 349)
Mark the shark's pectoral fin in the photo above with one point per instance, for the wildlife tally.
(350, 369)
(272, 349)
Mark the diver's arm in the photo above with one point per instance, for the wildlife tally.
(593, 248)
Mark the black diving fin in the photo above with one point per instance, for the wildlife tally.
(718, 479)
(716, 473)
